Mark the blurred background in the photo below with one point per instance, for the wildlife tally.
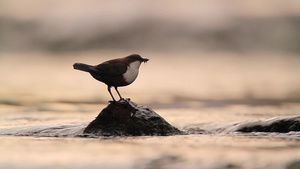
(202, 53)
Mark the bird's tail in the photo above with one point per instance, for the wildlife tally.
(82, 67)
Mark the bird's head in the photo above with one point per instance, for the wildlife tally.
(136, 57)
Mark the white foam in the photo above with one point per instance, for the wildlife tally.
(63, 130)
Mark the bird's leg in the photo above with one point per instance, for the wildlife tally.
(108, 88)
(118, 93)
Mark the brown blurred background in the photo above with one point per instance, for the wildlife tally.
(216, 52)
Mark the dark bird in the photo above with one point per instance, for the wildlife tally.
(115, 72)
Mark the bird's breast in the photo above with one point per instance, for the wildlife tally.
(132, 72)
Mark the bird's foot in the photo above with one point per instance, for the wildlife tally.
(112, 101)
(124, 99)
(121, 100)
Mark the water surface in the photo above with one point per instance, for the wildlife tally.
(49, 140)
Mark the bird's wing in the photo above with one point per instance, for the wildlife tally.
(111, 68)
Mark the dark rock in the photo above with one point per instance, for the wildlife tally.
(282, 125)
(126, 118)
(293, 165)
(165, 161)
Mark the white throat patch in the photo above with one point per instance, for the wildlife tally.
(132, 71)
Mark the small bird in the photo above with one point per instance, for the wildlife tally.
(115, 72)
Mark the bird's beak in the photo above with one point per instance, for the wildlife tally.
(145, 60)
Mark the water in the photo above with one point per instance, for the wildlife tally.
(214, 67)
(51, 141)
(44, 108)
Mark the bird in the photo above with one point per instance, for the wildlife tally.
(116, 72)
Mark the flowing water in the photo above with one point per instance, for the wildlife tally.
(51, 141)
(45, 107)
(215, 66)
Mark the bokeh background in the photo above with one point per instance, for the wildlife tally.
(204, 52)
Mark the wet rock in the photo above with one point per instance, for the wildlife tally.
(293, 165)
(126, 118)
(165, 161)
(230, 166)
(281, 125)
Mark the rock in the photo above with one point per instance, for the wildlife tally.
(126, 118)
(293, 165)
(279, 124)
